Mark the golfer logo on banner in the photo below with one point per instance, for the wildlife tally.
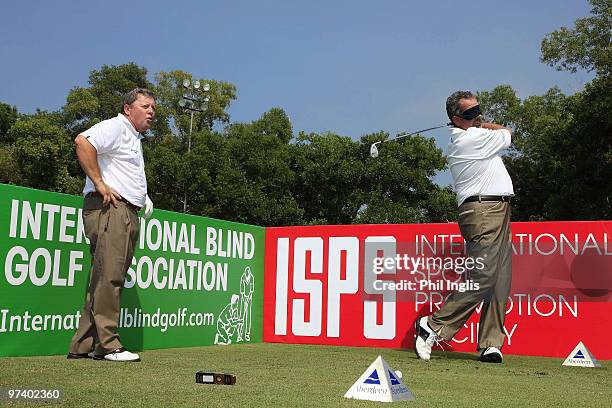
(234, 321)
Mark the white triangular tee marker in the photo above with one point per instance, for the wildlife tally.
(379, 383)
(581, 357)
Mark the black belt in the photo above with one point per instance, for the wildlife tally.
(487, 198)
(123, 200)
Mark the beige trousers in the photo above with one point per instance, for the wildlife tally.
(112, 233)
(485, 226)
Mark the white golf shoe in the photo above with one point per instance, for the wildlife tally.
(491, 355)
(424, 339)
(120, 355)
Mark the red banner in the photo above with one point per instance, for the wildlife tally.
(365, 285)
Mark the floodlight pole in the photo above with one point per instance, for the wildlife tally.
(190, 130)
(190, 103)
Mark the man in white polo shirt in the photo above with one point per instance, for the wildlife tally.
(483, 188)
(110, 153)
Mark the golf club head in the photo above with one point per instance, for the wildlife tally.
(374, 150)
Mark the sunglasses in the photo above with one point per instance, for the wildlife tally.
(471, 113)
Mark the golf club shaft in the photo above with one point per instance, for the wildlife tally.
(403, 135)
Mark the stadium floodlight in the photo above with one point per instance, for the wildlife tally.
(192, 102)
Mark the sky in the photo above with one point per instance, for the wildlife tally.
(348, 67)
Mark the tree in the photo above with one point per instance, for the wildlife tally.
(9, 170)
(102, 99)
(240, 175)
(81, 110)
(253, 172)
(110, 83)
(398, 186)
(585, 46)
(589, 150)
(339, 183)
(561, 159)
(261, 152)
(276, 123)
(330, 173)
(165, 169)
(42, 152)
(8, 116)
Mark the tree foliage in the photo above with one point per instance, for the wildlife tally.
(260, 173)
(41, 154)
(399, 185)
(8, 116)
(255, 172)
(561, 159)
(102, 99)
(585, 46)
(339, 183)
(560, 162)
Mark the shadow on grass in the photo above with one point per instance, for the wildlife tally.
(444, 355)
(454, 355)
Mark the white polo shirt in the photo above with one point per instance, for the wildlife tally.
(475, 162)
(119, 158)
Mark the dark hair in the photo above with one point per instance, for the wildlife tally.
(452, 103)
(131, 96)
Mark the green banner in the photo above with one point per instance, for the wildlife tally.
(193, 281)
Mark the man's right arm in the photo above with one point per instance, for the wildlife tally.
(493, 139)
(494, 126)
(88, 159)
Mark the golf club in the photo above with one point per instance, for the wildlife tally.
(374, 148)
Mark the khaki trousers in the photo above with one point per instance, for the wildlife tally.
(485, 226)
(112, 233)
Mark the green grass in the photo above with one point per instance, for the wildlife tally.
(306, 376)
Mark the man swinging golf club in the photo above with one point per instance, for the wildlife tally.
(483, 188)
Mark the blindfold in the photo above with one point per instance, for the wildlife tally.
(471, 113)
